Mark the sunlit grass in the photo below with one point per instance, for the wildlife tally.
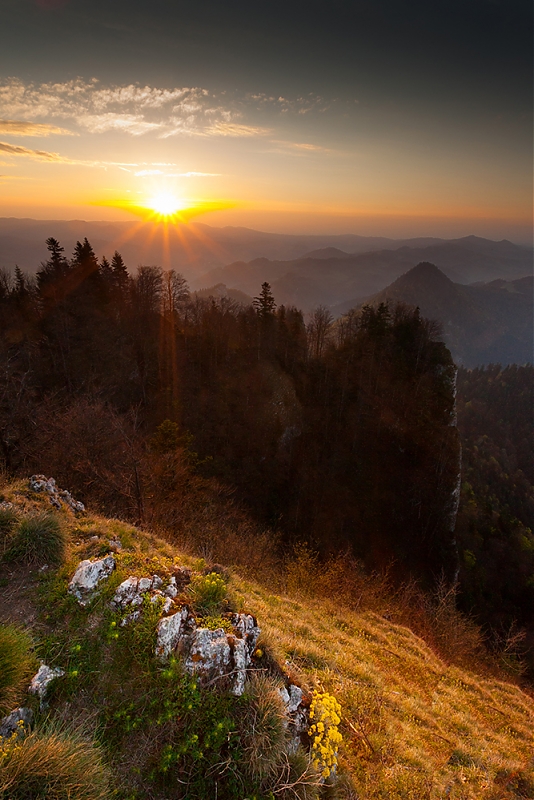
(406, 713)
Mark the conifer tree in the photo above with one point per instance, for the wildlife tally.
(264, 303)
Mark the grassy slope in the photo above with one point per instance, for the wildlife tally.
(413, 726)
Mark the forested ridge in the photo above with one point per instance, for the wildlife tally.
(144, 399)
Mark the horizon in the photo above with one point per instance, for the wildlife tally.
(341, 232)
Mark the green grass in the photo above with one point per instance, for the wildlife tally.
(39, 539)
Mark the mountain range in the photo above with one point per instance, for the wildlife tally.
(329, 276)
(303, 270)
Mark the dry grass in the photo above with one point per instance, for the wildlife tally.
(55, 766)
(413, 726)
(16, 665)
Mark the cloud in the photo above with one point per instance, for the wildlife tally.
(138, 110)
(235, 129)
(41, 155)
(134, 124)
(11, 127)
(131, 109)
(197, 175)
(144, 172)
(298, 147)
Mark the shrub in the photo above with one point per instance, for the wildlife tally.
(207, 593)
(51, 766)
(263, 728)
(8, 520)
(16, 665)
(39, 539)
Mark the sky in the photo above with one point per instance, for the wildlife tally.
(391, 117)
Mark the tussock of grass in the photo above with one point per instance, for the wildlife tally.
(262, 728)
(39, 539)
(52, 766)
(16, 665)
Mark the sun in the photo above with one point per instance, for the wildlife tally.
(165, 204)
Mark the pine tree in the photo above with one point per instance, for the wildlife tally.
(264, 303)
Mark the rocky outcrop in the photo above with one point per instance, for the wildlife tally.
(58, 497)
(131, 592)
(85, 581)
(214, 656)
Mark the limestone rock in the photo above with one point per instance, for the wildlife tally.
(171, 590)
(18, 722)
(209, 655)
(85, 581)
(125, 593)
(131, 591)
(295, 698)
(41, 681)
(170, 631)
(40, 483)
(214, 656)
(247, 627)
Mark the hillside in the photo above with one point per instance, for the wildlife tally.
(413, 724)
(486, 323)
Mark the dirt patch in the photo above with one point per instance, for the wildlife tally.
(18, 595)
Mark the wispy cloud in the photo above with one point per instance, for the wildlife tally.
(143, 173)
(41, 155)
(299, 148)
(134, 124)
(139, 110)
(12, 127)
(235, 129)
(132, 109)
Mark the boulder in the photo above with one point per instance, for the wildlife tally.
(41, 681)
(213, 656)
(18, 723)
(85, 581)
(297, 716)
(209, 655)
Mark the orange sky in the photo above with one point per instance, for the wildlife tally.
(365, 120)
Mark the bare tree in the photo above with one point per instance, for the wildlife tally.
(319, 329)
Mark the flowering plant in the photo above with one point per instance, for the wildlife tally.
(325, 711)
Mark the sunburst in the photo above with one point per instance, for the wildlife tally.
(165, 204)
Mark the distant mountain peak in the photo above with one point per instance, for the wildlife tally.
(424, 271)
